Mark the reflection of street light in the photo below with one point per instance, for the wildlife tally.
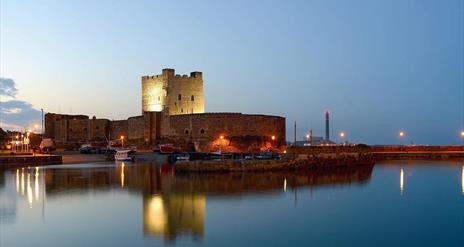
(122, 141)
(401, 181)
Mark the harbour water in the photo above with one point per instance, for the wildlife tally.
(394, 203)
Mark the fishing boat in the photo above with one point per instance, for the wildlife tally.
(124, 155)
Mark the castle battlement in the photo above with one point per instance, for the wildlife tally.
(171, 73)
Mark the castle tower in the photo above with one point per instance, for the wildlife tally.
(177, 94)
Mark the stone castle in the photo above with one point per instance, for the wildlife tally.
(173, 112)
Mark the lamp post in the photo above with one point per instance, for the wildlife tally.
(402, 134)
(342, 137)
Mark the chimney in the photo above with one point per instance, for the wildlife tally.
(327, 133)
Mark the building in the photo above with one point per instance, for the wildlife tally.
(173, 112)
(177, 94)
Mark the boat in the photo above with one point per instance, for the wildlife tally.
(124, 155)
(166, 148)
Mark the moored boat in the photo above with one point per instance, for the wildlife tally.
(124, 155)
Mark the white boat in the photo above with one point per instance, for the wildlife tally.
(122, 155)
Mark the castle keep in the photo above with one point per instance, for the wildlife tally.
(173, 112)
(176, 94)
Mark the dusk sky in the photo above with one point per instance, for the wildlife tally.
(377, 66)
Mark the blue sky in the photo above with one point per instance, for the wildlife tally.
(378, 66)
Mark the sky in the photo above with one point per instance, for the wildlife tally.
(378, 66)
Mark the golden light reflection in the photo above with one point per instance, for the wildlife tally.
(173, 214)
(122, 174)
(401, 181)
(155, 215)
(17, 180)
(36, 184)
(22, 181)
(285, 184)
(29, 190)
(462, 180)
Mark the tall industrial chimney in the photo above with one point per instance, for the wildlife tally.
(327, 134)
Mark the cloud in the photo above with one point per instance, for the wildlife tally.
(8, 87)
(16, 114)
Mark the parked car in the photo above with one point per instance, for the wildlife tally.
(87, 150)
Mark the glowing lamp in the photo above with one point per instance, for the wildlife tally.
(273, 138)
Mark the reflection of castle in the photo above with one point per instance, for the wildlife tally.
(173, 112)
(173, 214)
(173, 204)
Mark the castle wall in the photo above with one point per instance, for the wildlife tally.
(119, 128)
(136, 128)
(240, 132)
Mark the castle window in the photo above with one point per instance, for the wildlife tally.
(85, 129)
(70, 130)
(159, 98)
(192, 98)
(186, 132)
(179, 97)
(98, 127)
(191, 110)
(202, 131)
(181, 110)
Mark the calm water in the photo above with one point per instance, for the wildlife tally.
(410, 203)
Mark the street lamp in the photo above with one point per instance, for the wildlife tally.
(342, 136)
(122, 141)
(273, 138)
(402, 134)
(462, 133)
(221, 137)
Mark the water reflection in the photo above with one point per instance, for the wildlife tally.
(176, 213)
(173, 204)
(401, 181)
(462, 180)
(29, 183)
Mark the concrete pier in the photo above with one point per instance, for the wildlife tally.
(25, 160)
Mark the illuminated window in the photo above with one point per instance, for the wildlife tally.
(179, 97)
(192, 98)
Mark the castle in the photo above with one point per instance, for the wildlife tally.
(173, 112)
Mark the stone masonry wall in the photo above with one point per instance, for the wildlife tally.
(240, 132)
